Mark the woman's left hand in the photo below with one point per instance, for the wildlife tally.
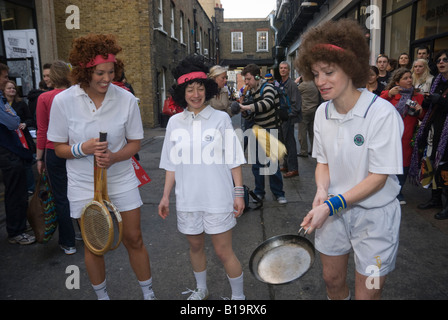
(104, 159)
(238, 207)
(316, 218)
(418, 107)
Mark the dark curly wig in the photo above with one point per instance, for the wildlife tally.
(192, 63)
(85, 49)
(346, 34)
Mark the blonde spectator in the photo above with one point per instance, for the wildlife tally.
(421, 76)
(221, 101)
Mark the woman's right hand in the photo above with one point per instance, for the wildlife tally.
(394, 91)
(164, 208)
(94, 146)
(317, 216)
(40, 166)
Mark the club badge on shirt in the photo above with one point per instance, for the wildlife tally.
(359, 140)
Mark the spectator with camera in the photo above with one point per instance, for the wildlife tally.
(400, 92)
(261, 108)
(431, 140)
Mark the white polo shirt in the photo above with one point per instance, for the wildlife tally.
(202, 150)
(366, 139)
(75, 119)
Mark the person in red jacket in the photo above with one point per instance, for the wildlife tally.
(400, 92)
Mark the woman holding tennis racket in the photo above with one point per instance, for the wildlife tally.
(77, 116)
(203, 157)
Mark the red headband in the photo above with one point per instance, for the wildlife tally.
(99, 59)
(328, 46)
(190, 76)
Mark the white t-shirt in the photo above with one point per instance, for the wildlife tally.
(366, 139)
(74, 118)
(202, 150)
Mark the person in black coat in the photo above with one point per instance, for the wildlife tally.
(432, 140)
(26, 122)
(13, 157)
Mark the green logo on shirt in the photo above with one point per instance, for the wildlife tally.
(359, 140)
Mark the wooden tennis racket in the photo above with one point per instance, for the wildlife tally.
(115, 214)
(96, 221)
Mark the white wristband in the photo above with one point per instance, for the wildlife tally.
(77, 151)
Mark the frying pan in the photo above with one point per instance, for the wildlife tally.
(282, 259)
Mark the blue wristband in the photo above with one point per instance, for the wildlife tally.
(336, 204)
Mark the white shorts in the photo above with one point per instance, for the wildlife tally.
(194, 223)
(125, 201)
(373, 234)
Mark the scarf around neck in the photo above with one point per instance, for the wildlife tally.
(415, 160)
(401, 106)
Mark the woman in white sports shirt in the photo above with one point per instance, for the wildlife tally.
(203, 158)
(357, 144)
(77, 116)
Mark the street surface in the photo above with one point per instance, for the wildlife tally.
(38, 271)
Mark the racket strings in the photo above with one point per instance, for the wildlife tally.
(96, 225)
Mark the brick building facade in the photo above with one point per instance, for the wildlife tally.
(186, 29)
(154, 34)
(130, 21)
(244, 41)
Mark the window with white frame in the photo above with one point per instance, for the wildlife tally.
(172, 19)
(262, 41)
(160, 9)
(237, 41)
(181, 27)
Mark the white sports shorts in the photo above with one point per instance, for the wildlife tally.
(125, 201)
(194, 223)
(373, 234)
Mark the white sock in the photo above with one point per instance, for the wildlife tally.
(349, 297)
(237, 285)
(201, 279)
(101, 291)
(148, 293)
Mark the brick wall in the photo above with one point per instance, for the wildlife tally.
(130, 21)
(148, 50)
(168, 50)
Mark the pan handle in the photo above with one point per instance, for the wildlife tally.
(304, 234)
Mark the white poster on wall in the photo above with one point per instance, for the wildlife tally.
(23, 44)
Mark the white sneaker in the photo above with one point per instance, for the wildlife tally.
(197, 294)
(23, 239)
(68, 250)
(150, 296)
(282, 200)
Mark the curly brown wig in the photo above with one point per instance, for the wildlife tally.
(85, 49)
(341, 42)
(192, 63)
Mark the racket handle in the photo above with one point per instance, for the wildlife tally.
(103, 136)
